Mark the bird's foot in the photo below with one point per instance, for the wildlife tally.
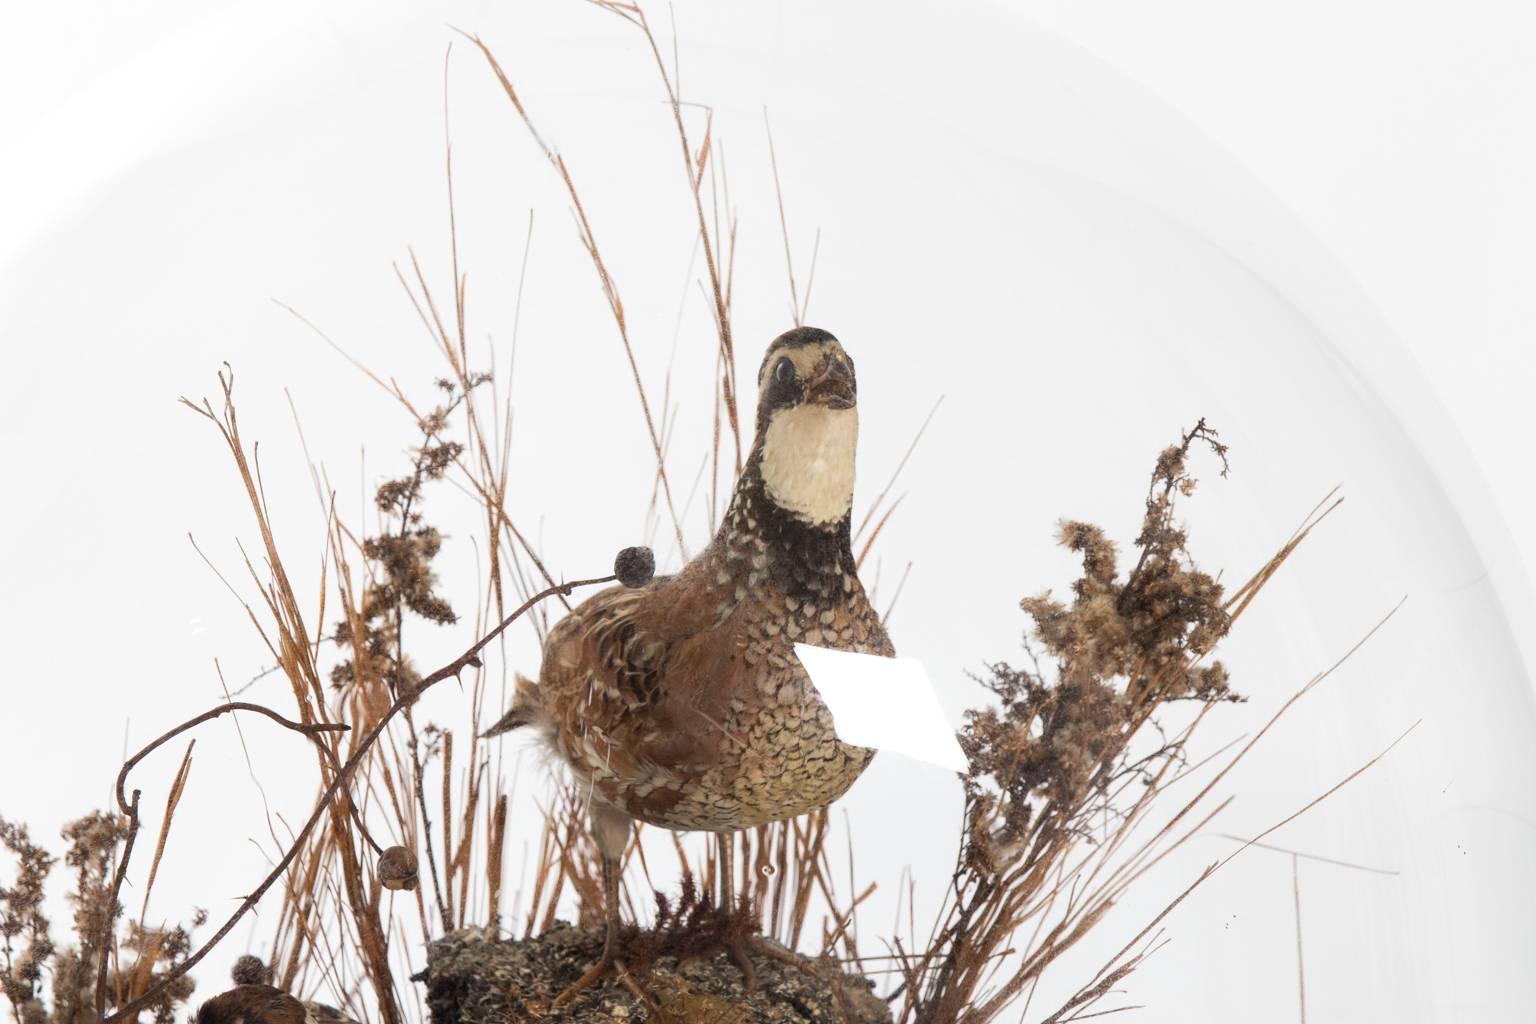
(744, 948)
(607, 967)
(741, 951)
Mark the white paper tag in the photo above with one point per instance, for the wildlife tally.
(885, 703)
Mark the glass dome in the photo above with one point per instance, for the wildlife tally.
(1013, 227)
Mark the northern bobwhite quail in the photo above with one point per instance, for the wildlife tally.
(265, 1004)
(681, 702)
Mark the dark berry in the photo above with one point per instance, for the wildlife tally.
(635, 566)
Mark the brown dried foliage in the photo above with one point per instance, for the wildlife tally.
(689, 926)
(24, 938)
(1066, 770)
(139, 956)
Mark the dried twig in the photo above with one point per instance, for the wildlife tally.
(610, 290)
(470, 658)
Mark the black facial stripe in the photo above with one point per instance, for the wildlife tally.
(807, 561)
(782, 394)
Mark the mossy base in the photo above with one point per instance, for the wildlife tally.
(474, 978)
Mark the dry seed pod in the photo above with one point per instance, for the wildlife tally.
(635, 566)
(397, 868)
(249, 970)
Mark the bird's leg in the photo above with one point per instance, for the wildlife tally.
(727, 873)
(610, 827)
(610, 906)
(744, 944)
(740, 946)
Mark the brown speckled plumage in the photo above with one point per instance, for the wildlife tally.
(682, 702)
(265, 1004)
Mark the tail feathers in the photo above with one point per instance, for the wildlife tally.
(527, 709)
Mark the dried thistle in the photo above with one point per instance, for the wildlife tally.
(141, 956)
(156, 953)
(1120, 647)
(24, 940)
(1049, 761)
(250, 970)
(93, 842)
(402, 554)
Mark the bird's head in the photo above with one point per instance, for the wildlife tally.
(808, 425)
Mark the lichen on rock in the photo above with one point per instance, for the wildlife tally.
(472, 977)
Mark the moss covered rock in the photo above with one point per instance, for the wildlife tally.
(473, 977)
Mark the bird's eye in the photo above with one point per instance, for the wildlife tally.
(784, 371)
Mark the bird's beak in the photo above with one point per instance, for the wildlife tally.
(831, 385)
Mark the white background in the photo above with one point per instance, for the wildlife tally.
(1083, 225)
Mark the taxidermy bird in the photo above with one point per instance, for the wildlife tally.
(681, 702)
(264, 1004)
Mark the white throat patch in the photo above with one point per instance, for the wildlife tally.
(808, 461)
